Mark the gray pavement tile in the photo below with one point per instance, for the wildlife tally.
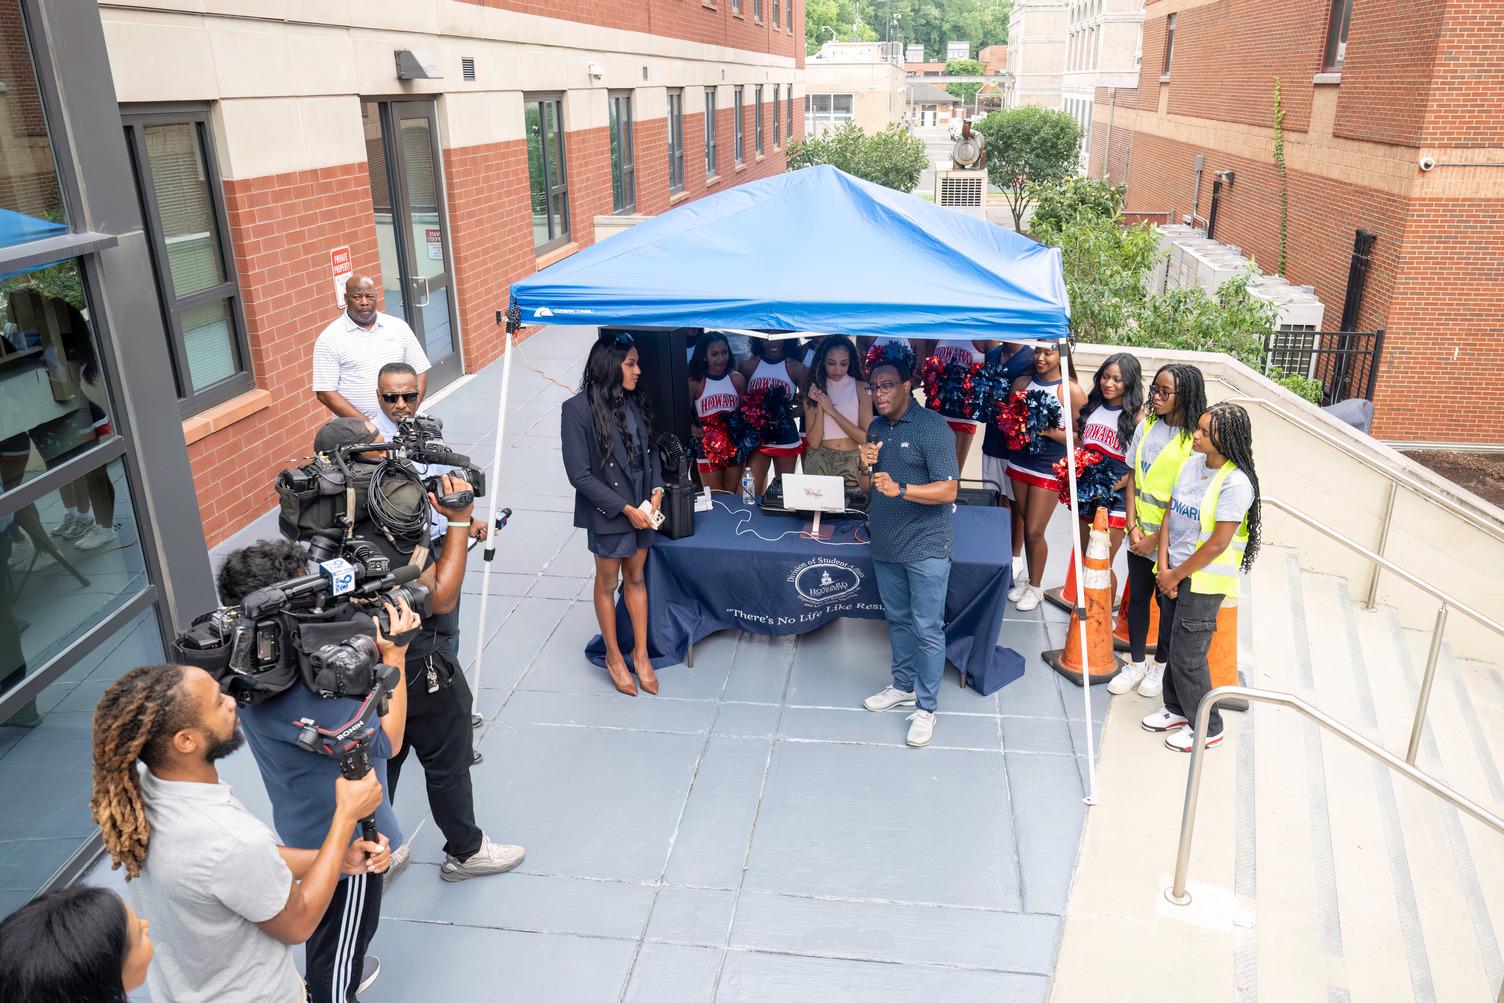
(711, 844)
(522, 502)
(1034, 694)
(759, 669)
(518, 901)
(456, 964)
(1071, 699)
(561, 666)
(756, 977)
(692, 915)
(1037, 734)
(611, 710)
(520, 638)
(952, 731)
(751, 719)
(841, 664)
(673, 973)
(1047, 815)
(842, 820)
(573, 559)
(502, 583)
(558, 587)
(893, 932)
(527, 545)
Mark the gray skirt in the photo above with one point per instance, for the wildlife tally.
(619, 545)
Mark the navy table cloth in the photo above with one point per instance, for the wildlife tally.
(750, 571)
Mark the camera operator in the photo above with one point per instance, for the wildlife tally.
(297, 780)
(226, 901)
(439, 700)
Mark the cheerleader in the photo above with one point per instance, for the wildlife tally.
(769, 367)
(864, 345)
(1016, 359)
(1210, 536)
(836, 413)
(965, 353)
(716, 388)
(1160, 447)
(1036, 490)
(1112, 411)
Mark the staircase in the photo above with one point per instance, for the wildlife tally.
(1317, 873)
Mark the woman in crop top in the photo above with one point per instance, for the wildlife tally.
(716, 388)
(836, 413)
(770, 366)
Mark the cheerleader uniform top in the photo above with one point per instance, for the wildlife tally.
(717, 396)
(964, 353)
(1015, 363)
(842, 395)
(1039, 470)
(769, 374)
(1101, 432)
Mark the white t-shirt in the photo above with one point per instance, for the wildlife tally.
(347, 357)
(1159, 436)
(1183, 519)
(212, 873)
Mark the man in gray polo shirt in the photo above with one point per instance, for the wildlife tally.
(224, 900)
(352, 349)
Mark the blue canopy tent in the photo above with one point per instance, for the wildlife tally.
(814, 250)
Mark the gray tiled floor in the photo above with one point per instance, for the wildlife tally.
(750, 834)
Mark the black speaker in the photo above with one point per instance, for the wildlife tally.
(664, 356)
(679, 493)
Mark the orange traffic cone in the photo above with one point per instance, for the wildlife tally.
(1120, 630)
(1222, 659)
(1066, 595)
(1098, 663)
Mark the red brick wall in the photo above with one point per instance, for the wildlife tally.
(1467, 96)
(282, 229)
(650, 138)
(1387, 71)
(587, 154)
(1110, 140)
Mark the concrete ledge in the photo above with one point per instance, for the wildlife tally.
(557, 254)
(223, 416)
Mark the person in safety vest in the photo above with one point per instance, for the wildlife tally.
(1160, 446)
(1210, 536)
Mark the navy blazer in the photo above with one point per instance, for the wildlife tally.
(600, 482)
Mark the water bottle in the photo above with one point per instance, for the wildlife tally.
(749, 497)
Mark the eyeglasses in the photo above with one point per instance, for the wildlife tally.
(1160, 392)
(410, 397)
(882, 388)
(624, 340)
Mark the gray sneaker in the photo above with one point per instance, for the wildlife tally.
(400, 858)
(888, 699)
(921, 728)
(370, 968)
(491, 858)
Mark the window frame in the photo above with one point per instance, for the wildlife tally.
(757, 11)
(566, 223)
(134, 120)
(624, 174)
(777, 16)
(777, 125)
(757, 143)
(1338, 20)
(739, 130)
(789, 10)
(675, 140)
(736, 8)
(712, 150)
(1164, 72)
(788, 113)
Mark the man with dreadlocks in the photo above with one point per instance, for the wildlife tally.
(1210, 537)
(225, 901)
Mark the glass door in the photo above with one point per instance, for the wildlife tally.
(412, 230)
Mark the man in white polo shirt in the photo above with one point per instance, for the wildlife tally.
(351, 351)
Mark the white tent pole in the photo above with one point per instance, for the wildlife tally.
(491, 531)
(1077, 602)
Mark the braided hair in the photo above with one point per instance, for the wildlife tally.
(1190, 397)
(1232, 436)
(136, 720)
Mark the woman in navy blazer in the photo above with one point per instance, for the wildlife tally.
(607, 431)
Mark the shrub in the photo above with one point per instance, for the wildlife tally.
(891, 158)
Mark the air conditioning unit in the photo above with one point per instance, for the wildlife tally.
(963, 190)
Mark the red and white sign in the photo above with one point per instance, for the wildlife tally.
(435, 243)
(340, 268)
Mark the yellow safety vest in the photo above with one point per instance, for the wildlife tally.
(1220, 577)
(1151, 491)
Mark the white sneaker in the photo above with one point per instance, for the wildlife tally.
(400, 858)
(922, 728)
(491, 858)
(888, 699)
(1020, 584)
(1126, 679)
(22, 554)
(1163, 720)
(99, 536)
(73, 526)
(1031, 599)
(1184, 739)
(1154, 680)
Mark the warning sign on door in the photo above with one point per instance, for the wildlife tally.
(341, 268)
(435, 244)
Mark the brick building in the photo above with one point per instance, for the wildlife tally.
(1393, 125)
(446, 147)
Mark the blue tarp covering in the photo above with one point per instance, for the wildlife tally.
(810, 250)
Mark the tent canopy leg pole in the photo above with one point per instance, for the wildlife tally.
(491, 532)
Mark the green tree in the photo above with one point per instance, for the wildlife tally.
(1028, 147)
(932, 24)
(1057, 206)
(964, 68)
(891, 158)
(843, 19)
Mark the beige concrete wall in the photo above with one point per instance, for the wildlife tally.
(1036, 51)
(877, 89)
(1342, 478)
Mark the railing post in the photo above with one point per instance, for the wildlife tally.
(1176, 893)
(1373, 583)
(1425, 685)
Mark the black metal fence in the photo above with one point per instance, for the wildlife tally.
(1346, 363)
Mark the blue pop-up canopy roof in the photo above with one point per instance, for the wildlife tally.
(810, 250)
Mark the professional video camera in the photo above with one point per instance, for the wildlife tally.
(421, 439)
(350, 743)
(318, 629)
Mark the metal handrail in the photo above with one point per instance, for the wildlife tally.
(1396, 477)
(1176, 893)
(1448, 603)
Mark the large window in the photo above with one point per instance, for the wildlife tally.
(738, 126)
(788, 113)
(183, 207)
(1336, 35)
(777, 18)
(623, 173)
(676, 141)
(1170, 44)
(757, 10)
(736, 7)
(712, 158)
(546, 171)
(757, 119)
(777, 127)
(790, 14)
(826, 111)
